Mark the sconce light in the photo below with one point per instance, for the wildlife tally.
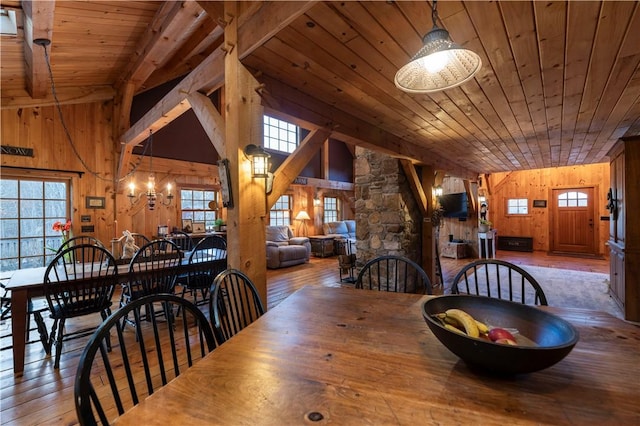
(437, 191)
(259, 160)
(152, 195)
(316, 199)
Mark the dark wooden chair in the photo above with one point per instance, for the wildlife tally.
(118, 368)
(79, 240)
(139, 239)
(499, 279)
(234, 304)
(396, 274)
(152, 270)
(182, 240)
(207, 259)
(36, 307)
(79, 281)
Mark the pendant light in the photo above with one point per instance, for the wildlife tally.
(440, 64)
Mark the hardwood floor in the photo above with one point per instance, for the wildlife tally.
(45, 396)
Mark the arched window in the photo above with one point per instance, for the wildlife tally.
(573, 199)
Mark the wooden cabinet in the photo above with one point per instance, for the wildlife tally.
(624, 229)
(455, 250)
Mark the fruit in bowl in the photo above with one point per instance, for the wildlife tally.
(525, 338)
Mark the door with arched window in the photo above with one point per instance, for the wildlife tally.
(572, 221)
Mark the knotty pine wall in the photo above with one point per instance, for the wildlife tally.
(534, 185)
(90, 127)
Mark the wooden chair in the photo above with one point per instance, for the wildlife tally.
(234, 304)
(139, 239)
(36, 307)
(396, 274)
(152, 270)
(499, 279)
(118, 369)
(182, 240)
(79, 240)
(79, 281)
(207, 259)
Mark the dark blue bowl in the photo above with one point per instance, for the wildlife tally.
(554, 337)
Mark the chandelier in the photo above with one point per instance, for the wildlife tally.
(440, 64)
(151, 193)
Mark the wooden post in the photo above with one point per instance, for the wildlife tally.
(246, 220)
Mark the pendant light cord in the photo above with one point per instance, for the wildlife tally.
(68, 134)
(434, 13)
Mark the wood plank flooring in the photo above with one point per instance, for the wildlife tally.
(45, 396)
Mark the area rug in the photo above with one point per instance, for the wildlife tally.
(575, 289)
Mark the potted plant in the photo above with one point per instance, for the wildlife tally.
(484, 225)
(217, 224)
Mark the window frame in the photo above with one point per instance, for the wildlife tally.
(286, 216)
(273, 130)
(50, 240)
(337, 210)
(206, 211)
(517, 213)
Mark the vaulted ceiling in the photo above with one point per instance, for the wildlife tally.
(560, 81)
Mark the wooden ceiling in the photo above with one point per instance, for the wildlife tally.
(560, 81)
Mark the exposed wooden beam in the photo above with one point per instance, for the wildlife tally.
(38, 24)
(350, 129)
(209, 75)
(416, 186)
(294, 164)
(211, 120)
(163, 38)
(20, 98)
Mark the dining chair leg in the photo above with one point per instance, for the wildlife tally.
(58, 339)
(42, 331)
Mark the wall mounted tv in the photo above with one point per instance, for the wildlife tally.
(454, 205)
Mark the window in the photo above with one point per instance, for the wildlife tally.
(573, 199)
(29, 209)
(280, 135)
(280, 213)
(331, 209)
(518, 206)
(194, 204)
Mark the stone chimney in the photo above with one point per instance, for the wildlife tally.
(388, 219)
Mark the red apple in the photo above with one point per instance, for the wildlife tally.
(498, 333)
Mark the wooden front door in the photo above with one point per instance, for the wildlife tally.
(572, 217)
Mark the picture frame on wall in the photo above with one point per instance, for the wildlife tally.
(198, 227)
(187, 225)
(225, 183)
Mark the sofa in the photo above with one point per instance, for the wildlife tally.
(284, 249)
(341, 229)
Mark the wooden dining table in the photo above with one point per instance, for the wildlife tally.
(347, 356)
(26, 284)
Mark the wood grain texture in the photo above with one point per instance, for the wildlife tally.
(357, 356)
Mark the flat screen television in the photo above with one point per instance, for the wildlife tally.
(454, 205)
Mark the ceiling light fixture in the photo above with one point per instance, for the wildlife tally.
(440, 64)
(152, 195)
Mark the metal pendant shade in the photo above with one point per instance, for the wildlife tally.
(440, 64)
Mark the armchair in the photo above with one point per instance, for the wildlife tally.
(283, 249)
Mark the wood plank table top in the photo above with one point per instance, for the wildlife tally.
(346, 356)
(28, 283)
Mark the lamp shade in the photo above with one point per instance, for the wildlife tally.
(440, 64)
(302, 215)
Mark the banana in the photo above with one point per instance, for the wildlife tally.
(482, 327)
(465, 320)
(453, 328)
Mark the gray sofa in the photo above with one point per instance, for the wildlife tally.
(283, 249)
(341, 229)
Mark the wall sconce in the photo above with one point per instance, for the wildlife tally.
(437, 191)
(259, 160)
(316, 199)
(152, 195)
